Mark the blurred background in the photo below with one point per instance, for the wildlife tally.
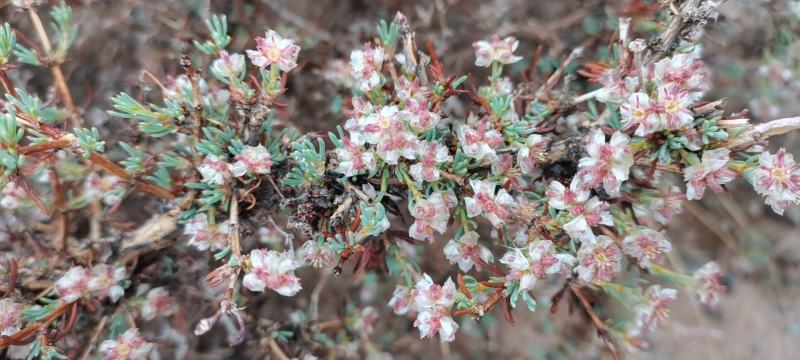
(753, 50)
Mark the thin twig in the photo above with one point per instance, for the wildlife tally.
(765, 130)
(601, 327)
(55, 69)
(273, 345)
(95, 335)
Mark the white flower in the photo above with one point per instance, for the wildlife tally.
(778, 179)
(466, 250)
(431, 215)
(433, 304)
(273, 49)
(599, 261)
(204, 236)
(479, 141)
(128, 346)
(10, 316)
(274, 270)
(430, 323)
(215, 170)
(228, 66)
(317, 253)
(561, 198)
(354, 159)
(654, 308)
(711, 172)
(104, 282)
(495, 207)
(157, 302)
(538, 260)
(366, 67)
(707, 283)
(502, 51)
(429, 155)
(637, 114)
(527, 157)
(429, 295)
(607, 163)
(253, 160)
(647, 246)
(73, 284)
(402, 300)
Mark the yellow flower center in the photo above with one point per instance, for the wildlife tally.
(779, 174)
(274, 54)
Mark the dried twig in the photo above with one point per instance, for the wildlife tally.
(55, 69)
(601, 327)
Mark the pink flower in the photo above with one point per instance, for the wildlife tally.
(429, 155)
(654, 308)
(104, 282)
(73, 284)
(607, 163)
(274, 270)
(371, 127)
(273, 49)
(432, 215)
(466, 250)
(479, 140)
(636, 113)
(433, 303)
(366, 67)
(778, 179)
(541, 260)
(411, 90)
(204, 236)
(317, 253)
(402, 300)
(429, 296)
(684, 71)
(157, 302)
(616, 88)
(707, 284)
(128, 346)
(599, 261)
(252, 160)
(711, 172)
(593, 213)
(502, 51)
(228, 66)
(561, 198)
(215, 170)
(647, 246)
(430, 323)
(396, 143)
(661, 206)
(10, 316)
(673, 107)
(418, 115)
(528, 155)
(354, 159)
(13, 195)
(495, 207)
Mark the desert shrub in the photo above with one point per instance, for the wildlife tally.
(542, 181)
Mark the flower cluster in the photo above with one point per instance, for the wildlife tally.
(102, 281)
(432, 303)
(571, 188)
